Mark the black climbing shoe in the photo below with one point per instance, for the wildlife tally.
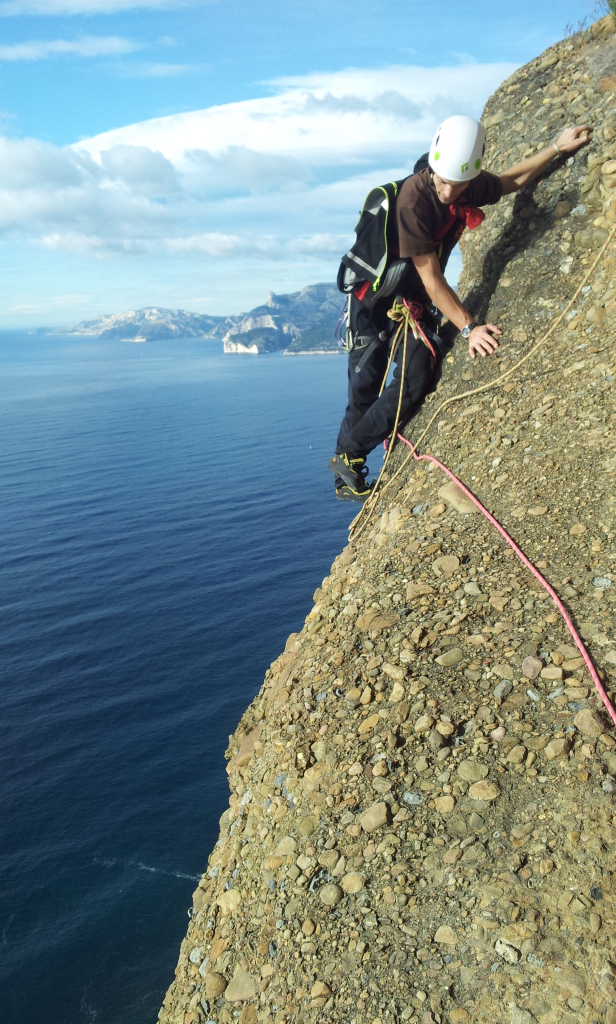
(346, 493)
(351, 470)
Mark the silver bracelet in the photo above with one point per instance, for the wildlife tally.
(559, 151)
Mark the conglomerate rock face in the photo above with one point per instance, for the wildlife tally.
(422, 821)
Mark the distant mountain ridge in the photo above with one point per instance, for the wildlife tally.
(299, 322)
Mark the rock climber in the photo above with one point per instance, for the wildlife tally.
(433, 207)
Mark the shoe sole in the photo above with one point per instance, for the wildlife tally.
(359, 498)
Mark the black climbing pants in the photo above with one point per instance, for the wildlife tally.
(368, 418)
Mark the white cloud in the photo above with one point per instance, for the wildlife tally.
(222, 246)
(278, 178)
(85, 46)
(44, 188)
(326, 119)
(242, 170)
(151, 69)
(11, 8)
(147, 173)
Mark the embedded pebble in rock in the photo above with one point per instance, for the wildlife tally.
(445, 565)
(517, 754)
(531, 667)
(375, 817)
(368, 725)
(428, 752)
(450, 658)
(601, 583)
(330, 894)
(589, 723)
(397, 693)
(320, 988)
(484, 791)
(286, 846)
(472, 771)
(504, 671)
(577, 530)
(552, 672)
(503, 689)
(456, 497)
(446, 935)
(394, 672)
(229, 901)
(215, 985)
(353, 882)
(241, 987)
(556, 748)
(319, 750)
(507, 951)
(472, 589)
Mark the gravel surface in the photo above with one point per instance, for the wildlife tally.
(422, 821)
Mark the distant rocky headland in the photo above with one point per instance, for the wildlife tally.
(299, 323)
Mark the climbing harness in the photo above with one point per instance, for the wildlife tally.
(406, 314)
(363, 518)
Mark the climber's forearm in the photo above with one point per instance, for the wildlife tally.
(527, 170)
(522, 173)
(443, 297)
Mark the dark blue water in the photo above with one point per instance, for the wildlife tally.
(166, 514)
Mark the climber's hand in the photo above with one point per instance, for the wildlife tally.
(482, 341)
(573, 139)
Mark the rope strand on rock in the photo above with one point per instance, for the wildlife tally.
(529, 565)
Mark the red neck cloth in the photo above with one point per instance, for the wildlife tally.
(460, 210)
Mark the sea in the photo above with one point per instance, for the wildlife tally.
(166, 515)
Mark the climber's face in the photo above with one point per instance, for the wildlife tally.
(448, 191)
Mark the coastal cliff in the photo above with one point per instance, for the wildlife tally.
(300, 323)
(422, 820)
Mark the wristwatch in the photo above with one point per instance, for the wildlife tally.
(466, 331)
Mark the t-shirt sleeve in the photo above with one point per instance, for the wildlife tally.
(416, 229)
(484, 190)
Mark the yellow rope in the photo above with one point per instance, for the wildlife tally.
(363, 518)
(397, 312)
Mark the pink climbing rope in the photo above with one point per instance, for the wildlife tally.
(529, 565)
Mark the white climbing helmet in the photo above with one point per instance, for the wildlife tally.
(457, 148)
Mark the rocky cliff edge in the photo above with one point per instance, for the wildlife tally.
(422, 821)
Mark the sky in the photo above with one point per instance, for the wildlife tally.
(199, 154)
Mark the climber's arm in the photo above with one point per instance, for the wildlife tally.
(481, 341)
(527, 170)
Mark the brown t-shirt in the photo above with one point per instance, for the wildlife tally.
(421, 217)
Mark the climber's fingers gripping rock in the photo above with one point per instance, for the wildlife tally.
(574, 138)
(482, 341)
